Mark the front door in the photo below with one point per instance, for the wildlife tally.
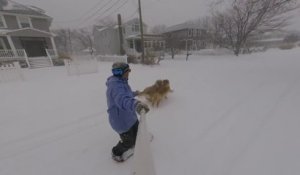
(34, 47)
(138, 45)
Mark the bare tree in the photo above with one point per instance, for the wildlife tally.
(84, 38)
(205, 23)
(62, 40)
(235, 25)
(69, 41)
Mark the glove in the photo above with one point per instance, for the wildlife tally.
(140, 106)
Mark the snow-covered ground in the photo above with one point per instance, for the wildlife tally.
(227, 116)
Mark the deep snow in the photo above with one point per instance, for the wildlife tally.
(227, 116)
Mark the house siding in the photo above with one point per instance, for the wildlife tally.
(107, 42)
(11, 21)
(128, 27)
(41, 24)
(191, 38)
(17, 42)
(128, 30)
(183, 34)
(37, 23)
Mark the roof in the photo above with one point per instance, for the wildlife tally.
(186, 25)
(9, 6)
(101, 29)
(146, 37)
(134, 20)
(26, 32)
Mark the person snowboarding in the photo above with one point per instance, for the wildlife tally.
(122, 109)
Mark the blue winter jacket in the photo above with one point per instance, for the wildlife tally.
(121, 104)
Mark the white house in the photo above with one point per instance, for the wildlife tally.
(107, 39)
(24, 32)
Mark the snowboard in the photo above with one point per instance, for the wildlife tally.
(129, 153)
(126, 155)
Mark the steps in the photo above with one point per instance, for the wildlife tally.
(39, 62)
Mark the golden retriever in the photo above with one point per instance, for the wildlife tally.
(158, 91)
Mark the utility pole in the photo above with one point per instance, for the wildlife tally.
(122, 52)
(142, 33)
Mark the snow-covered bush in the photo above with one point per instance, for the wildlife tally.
(287, 46)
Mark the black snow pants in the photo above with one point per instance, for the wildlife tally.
(127, 140)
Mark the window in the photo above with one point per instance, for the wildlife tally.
(131, 44)
(24, 22)
(199, 32)
(161, 44)
(135, 27)
(194, 32)
(147, 44)
(190, 32)
(2, 22)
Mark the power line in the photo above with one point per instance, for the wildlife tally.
(94, 14)
(125, 2)
(87, 12)
(125, 19)
(118, 9)
(95, 6)
(130, 16)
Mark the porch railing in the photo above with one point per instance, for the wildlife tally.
(20, 54)
(9, 54)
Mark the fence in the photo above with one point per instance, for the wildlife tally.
(11, 72)
(112, 58)
(81, 66)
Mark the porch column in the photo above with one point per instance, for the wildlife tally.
(54, 46)
(12, 46)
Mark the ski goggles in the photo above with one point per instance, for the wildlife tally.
(120, 71)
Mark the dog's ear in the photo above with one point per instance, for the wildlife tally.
(166, 81)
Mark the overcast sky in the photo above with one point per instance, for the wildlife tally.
(81, 13)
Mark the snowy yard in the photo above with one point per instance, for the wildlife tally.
(227, 116)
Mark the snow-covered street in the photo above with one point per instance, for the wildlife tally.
(227, 115)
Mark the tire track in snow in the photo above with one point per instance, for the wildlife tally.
(262, 124)
(48, 136)
(228, 113)
(213, 134)
(227, 145)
